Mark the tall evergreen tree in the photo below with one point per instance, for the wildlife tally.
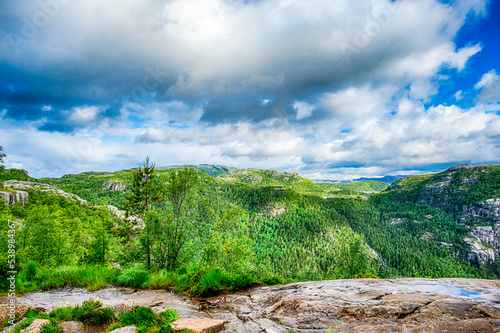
(145, 193)
(2, 161)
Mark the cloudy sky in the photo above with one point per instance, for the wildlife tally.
(333, 89)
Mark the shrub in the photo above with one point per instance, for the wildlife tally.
(170, 315)
(62, 314)
(161, 280)
(30, 271)
(93, 277)
(272, 280)
(53, 327)
(114, 326)
(216, 280)
(132, 277)
(91, 314)
(140, 316)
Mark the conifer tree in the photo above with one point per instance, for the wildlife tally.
(2, 161)
(144, 195)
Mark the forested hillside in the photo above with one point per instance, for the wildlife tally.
(182, 228)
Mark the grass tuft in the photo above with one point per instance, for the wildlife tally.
(132, 277)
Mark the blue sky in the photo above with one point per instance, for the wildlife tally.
(333, 90)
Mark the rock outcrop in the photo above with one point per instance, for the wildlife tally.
(197, 325)
(449, 190)
(113, 187)
(11, 198)
(406, 305)
(483, 223)
(18, 192)
(364, 305)
(19, 185)
(135, 221)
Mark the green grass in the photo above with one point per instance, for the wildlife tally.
(146, 320)
(133, 277)
(93, 315)
(31, 315)
(90, 277)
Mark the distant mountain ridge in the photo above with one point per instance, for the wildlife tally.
(213, 170)
(386, 179)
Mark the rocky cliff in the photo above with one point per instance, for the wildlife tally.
(114, 187)
(12, 197)
(472, 194)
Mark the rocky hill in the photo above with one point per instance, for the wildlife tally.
(471, 193)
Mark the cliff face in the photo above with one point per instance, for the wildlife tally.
(483, 223)
(114, 187)
(11, 198)
(472, 194)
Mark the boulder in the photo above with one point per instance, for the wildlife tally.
(197, 325)
(71, 326)
(36, 326)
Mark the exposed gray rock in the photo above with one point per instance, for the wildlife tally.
(489, 209)
(44, 188)
(114, 187)
(135, 221)
(126, 329)
(20, 194)
(483, 220)
(363, 305)
(197, 325)
(71, 326)
(11, 198)
(36, 326)
(466, 166)
(479, 253)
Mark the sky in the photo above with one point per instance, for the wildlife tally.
(330, 89)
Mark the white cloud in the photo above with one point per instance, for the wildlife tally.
(488, 79)
(490, 88)
(82, 116)
(323, 108)
(304, 110)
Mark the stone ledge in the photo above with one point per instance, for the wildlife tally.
(197, 325)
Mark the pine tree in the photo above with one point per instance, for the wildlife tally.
(2, 161)
(144, 195)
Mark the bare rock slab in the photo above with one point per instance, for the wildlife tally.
(71, 326)
(36, 326)
(126, 329)
(197, 325)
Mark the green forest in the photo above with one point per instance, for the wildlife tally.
(204, 230)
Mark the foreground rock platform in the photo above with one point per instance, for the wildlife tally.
(364, 305)
(197, 325)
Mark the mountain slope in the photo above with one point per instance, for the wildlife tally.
(469, 195)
